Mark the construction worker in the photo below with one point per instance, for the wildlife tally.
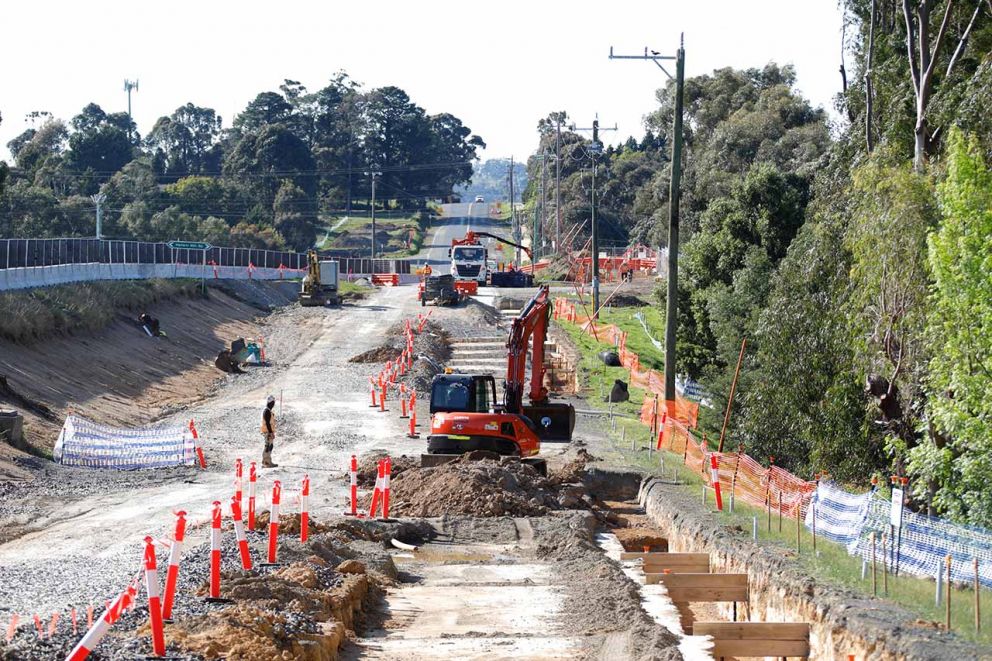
(427, 269)
(269, 431)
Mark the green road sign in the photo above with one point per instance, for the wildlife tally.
(189, 245)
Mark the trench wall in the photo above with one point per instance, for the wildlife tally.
(842, 621)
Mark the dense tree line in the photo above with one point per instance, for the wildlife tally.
(289, 156)
(854, 258)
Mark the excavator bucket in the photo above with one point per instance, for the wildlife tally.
(554, 422)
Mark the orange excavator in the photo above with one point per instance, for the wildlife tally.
(466, 416)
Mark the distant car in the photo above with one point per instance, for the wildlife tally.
(479, 198)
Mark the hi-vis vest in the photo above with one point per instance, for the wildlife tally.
(272, 421)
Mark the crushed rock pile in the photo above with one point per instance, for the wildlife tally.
(479, 485)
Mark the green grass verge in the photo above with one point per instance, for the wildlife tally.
(831, 563)
(401, 227)
(34, 314)
(349, 291)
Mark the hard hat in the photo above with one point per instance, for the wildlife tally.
(271, 399)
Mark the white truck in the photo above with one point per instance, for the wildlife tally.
(468, 262)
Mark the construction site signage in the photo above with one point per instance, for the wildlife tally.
(189, 245)
(895, 513)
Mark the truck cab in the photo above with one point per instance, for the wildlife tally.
(468, 262)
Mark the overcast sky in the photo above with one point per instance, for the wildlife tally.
(499, 66)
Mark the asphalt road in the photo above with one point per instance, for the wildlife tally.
(456, 219)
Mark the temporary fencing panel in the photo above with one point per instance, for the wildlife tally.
(84, 443)
(920, 548)
(840, 515)
(18, 253)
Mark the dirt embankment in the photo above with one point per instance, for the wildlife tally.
(119, 375)
(301, 609)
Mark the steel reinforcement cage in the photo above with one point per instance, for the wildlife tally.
(20, 253)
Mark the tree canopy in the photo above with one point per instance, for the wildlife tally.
(289, 156)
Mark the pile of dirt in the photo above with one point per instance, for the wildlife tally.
(574, 470)
(478, 485)
(380, 354)
(627, 301)
(368, 465)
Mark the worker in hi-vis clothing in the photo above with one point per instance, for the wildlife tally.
(269, 431)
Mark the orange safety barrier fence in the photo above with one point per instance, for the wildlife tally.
(651, 381)
(739, 474)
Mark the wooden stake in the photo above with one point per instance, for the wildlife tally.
(730, 400)
(768, 504)
(978, 601)
(885, 565)
(813, 505)
(874, 571)
(780, 511)
(947, 610)
(799, 537)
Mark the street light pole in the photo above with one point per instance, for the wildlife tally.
(373, 174)
(671, 315)
(98, 200)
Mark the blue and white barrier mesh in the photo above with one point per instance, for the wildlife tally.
(84, 443)
(921, 548)
(840, 515)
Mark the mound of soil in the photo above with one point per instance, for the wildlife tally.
(627, 301)
(377, 355)
(475, 488)
(573, 470)
(367, 467)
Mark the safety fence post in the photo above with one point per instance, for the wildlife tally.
(274, 521)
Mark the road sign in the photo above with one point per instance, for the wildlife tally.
(189, 245)
(895, 513)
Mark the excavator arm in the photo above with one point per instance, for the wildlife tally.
(531, 324)
(555, 421)
(472, 237)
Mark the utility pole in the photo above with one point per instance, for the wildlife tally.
(594, 149)
(374, 174)
(671, 315)
(513, 217)
(98, 200)
(544, 204)
(558, 184)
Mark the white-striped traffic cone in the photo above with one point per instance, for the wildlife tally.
(154, 598)
(252, 477)
(274, 521)
(239, 533)
(215, 517)
(172, 573)
(305, 509)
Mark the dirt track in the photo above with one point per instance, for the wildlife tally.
(73, 535)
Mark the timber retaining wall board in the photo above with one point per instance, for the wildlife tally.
(841, 621)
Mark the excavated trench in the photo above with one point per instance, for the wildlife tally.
(513, 587)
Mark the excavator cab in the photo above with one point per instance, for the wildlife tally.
(470, 393)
